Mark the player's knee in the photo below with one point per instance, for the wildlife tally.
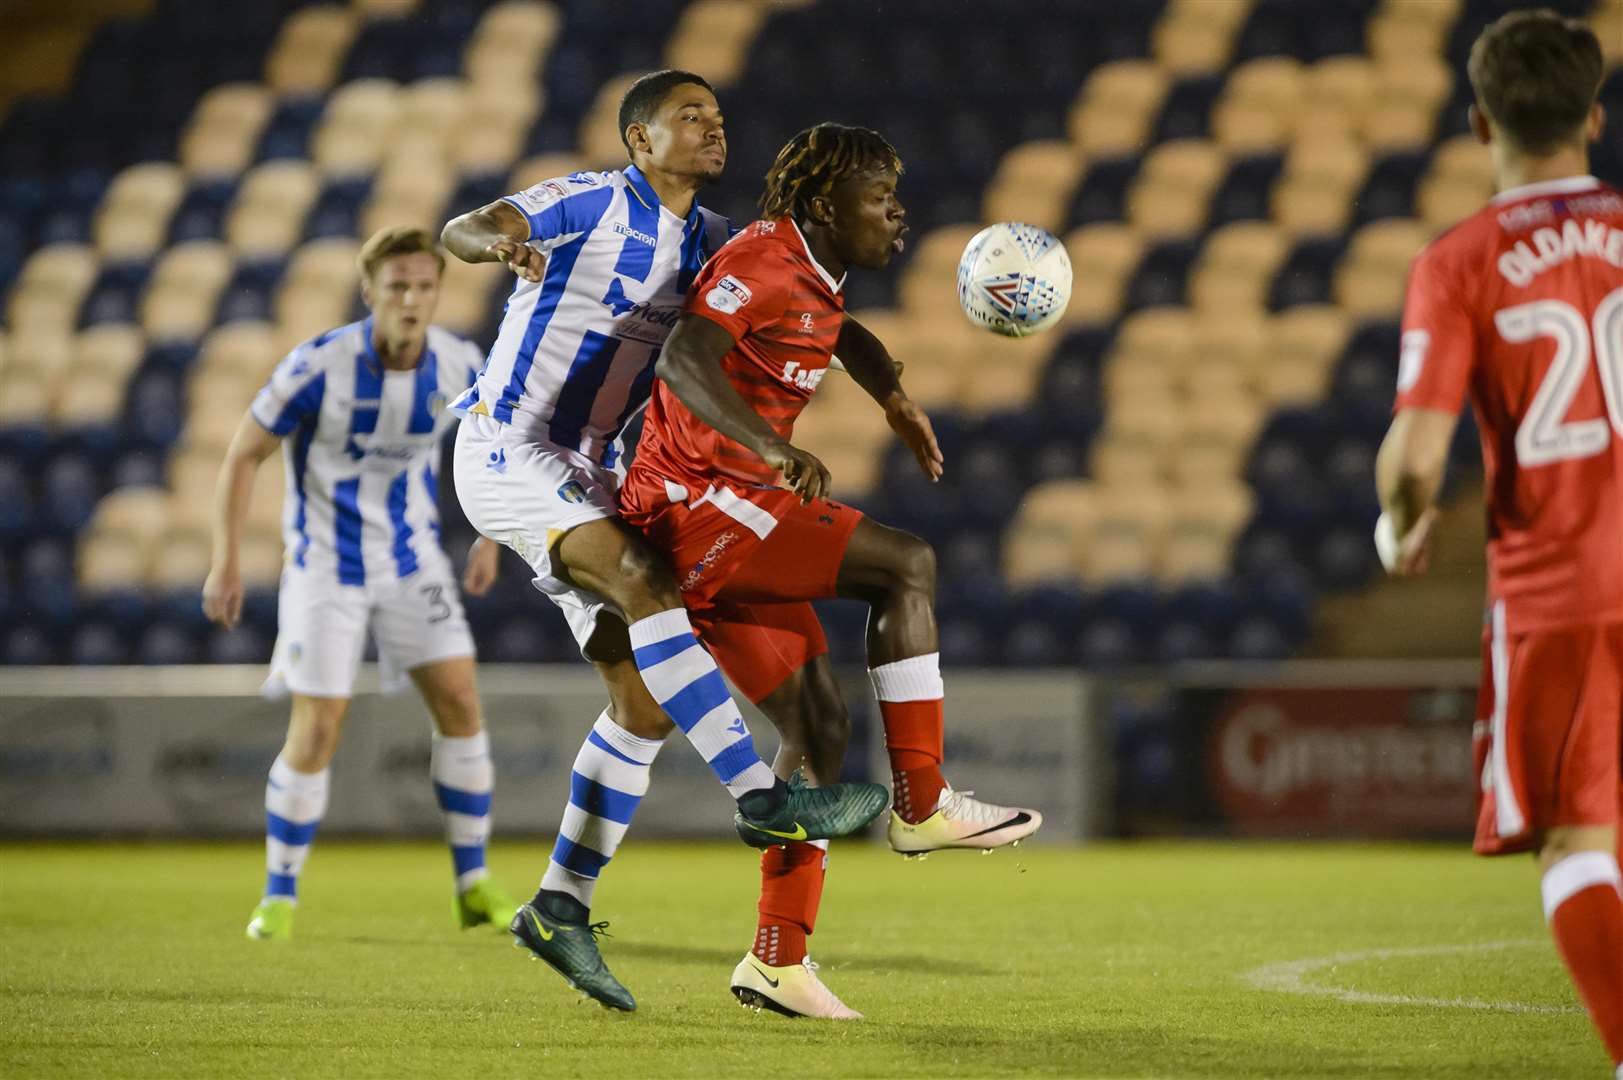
(647, 580)
(915, 566)
(456, 711)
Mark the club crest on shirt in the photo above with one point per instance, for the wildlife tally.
(728, 295)
(572, 491)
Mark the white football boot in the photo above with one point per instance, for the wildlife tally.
(962, 822)
(793, 990)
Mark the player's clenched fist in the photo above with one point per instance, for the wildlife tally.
(222, 596)
(807, 476)
(522, 259)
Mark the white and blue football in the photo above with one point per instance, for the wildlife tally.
(1014, 279)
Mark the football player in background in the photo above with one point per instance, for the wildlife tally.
(365, 405)
(1520, 309)
(603, 261)
(758, 330)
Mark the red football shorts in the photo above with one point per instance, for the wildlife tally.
(1547, 742)
(758, 646)
(747, 561)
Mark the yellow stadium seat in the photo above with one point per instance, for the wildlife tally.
(109, 352)
(1166, 331)
(505, 63)
(1225, 506)
(465, 295)
(1126, 459)
(1462, 158)
(1160, 417)
(179, 560)
(66, 269)
(1234, 418)
(260, 560)
(34, 309)
(930, 281)
(1196, 39)
(1192, 554)
(192, 474)
(110, 561)
(1039, 555)
(243, 346)
(1275, 83)
(1243, 128)
(127, 233)
(1246, 252)
(1310, 207)
(1443, 202)
(1607, 22)
(431, 107)
(1066, 504)
(713, 36)
(1398, 126)
(1103, 256)
(599, 135)
(532, 171)
(88, 404)
(219, 140)
(1113, 114)
(1215, 375)
(138, 513)
(267, 217)
(1236, 336)
(24, 398)
(328, 263)
(997, 388)
(1162, 210)
(1397, 34)
(303, 311)
(1337, 86)
(529, 22)
(1308, 335)
(1034, 184)
(1205, 461)
(1116, 551)
(402, 208)
(385, 9)
(1140, 374)
(1283, 385)
(309, 49)
(44, 354)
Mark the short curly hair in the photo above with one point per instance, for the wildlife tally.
(812, 162)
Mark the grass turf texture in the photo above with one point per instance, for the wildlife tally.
(129, 960)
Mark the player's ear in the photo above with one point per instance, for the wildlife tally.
(1597, 123)
(821, 210)
(637, 137)
(366, 290)
(1479, 124)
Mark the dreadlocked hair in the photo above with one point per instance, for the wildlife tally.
(812, 162)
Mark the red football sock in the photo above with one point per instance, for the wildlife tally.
(791, 890)
(1586, 916)
(910, 701)
(913, 737)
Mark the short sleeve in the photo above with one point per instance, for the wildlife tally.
(1439, 340)
(292, 395)
(742, 288)
(562, 207)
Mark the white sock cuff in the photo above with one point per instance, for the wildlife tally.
(666, 624)
(294, 782)
(918, 678)
(465, 745)
(1574, 874)
(819, 844)
(638, 749)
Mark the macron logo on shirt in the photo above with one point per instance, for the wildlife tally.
(634, 234)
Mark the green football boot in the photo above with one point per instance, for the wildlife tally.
(485, 904)
(272, 920)
(570, 949)
(809, 813)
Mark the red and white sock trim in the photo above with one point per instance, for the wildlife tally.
(1574, 874)
(918, 678)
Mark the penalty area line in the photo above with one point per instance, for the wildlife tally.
(1291, 977)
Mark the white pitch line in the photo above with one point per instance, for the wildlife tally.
(1290, 977)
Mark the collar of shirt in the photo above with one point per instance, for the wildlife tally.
(828, 277)
(644, 191)
(1565, 186)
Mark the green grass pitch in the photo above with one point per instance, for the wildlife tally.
(1106, 961)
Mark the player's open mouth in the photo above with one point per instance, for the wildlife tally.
(898, 244)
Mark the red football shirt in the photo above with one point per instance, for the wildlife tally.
(784, 312)
(1520, 307)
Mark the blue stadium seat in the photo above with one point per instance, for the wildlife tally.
(1345, 557)
(167, 643)
(1034, 643)
(1390, 188)
(242, 645)
(1180, 639)
(1161, 276)
(1187, 111)
(97, 643)
(251, 292)
(45, 581)
(1257, 638)
(28, 645)
(965, 642)
(71, 490)
(155, 407)
(288, 132)
(17, 514)
(337, 210)
(116, 295)
(1305, 276)
(1243, 193)
(1102, 195)
(201, 213)
(1107, 644)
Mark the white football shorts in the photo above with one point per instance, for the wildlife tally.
(322, 625)
(526, 493)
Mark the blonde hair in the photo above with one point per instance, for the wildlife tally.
(394, 240)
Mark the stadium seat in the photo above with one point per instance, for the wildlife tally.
(1034, 184)
(309, 50)
(267, 217)
(1193, 38)
(1117, 106)
(1103, 257)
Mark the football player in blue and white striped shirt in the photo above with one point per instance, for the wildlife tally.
(364, 408)
(604, 260)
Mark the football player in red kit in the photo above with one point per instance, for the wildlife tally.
(1520, 308)
(761, 323)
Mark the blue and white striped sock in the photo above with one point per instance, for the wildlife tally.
(609, 780)
(463, 780)
(294, 803)
(683, 678)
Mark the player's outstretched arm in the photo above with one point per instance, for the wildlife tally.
(690, 364)
(868, 362)
(233, 490)
(1408, 474)
(495, 232)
